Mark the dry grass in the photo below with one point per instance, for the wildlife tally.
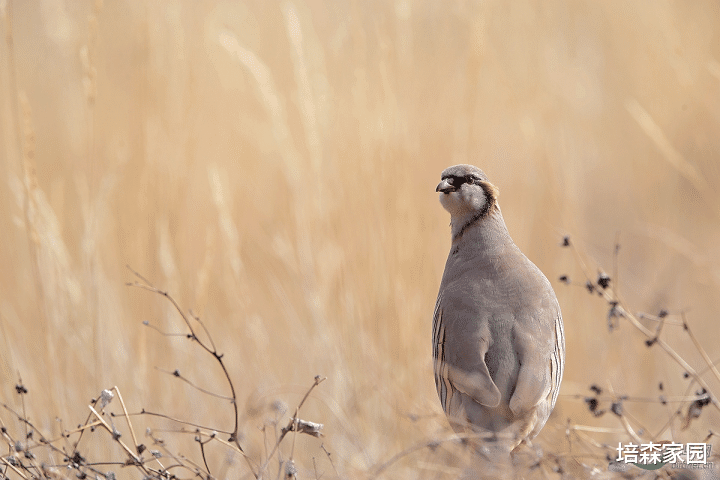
(273, 166)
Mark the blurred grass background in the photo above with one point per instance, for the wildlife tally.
(273, 166)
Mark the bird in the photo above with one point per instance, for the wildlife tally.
(498, 339)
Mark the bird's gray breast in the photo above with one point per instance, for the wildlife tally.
(479, 324)
(486, 299)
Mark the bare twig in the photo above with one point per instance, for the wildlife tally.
(116, 437)
(182, 422)
(618, 308)
(146, 285)
(706, 357)
(200, 442)
(290, 426)
(322, 446)
(127, 419)
(79, 465)
(177, 374)
(13, 468)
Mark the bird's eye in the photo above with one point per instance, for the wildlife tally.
(469, 179)
(457, 181)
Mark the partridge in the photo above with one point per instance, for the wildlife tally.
(498, 342)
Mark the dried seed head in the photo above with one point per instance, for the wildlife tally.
(603, 280)
(310, 428)
(279, 407)
(290, 469)
(105, 398)
(592, 403)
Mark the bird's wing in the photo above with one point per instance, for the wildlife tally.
(541, 362)
(449, 379)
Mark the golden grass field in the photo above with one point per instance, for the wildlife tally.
(273, 167)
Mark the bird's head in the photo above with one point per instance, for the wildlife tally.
(466, 192)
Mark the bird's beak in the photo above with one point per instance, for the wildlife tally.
(445, 187)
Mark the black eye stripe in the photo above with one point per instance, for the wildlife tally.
(456, 181)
